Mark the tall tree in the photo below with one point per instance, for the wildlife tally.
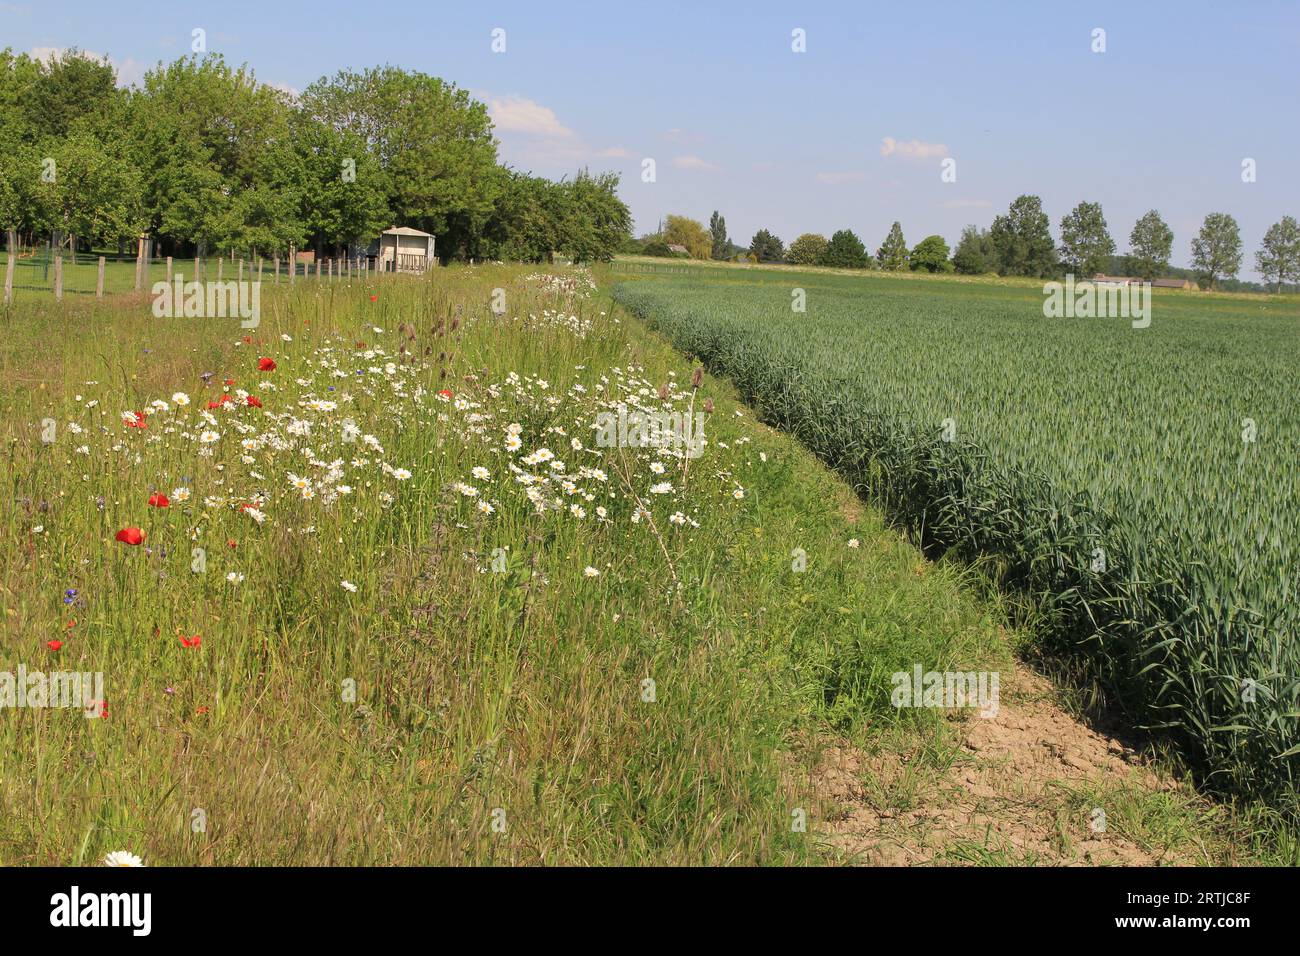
(1086, 245)
(845, 251)
(766, 247)
(683, 231)
(1022, 241)
(1216, 250)
(931, 254)
(974, 254)
(432, 140)
(718, 230)
(1150, 245)
(892, 254)
(1279, 255)
(807, 250)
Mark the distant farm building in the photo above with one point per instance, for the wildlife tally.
(402, 249)
(1176, 284)
(1115, 280)
(679, 249)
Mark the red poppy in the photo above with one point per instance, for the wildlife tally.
(248, 340)
(158, 501)
(232, 543)
(254, 401)
(194, 641)
(229, 382)
(374, 298)
(71, 624)
(446, 393)
(132, 536)
(361, 345)
(54, 645)
(265, 364)
(136, 421)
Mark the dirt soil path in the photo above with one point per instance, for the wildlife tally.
(1032, 785)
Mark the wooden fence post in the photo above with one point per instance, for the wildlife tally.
(293, 265)
(139, 264)
(241, 270)
(99, 280)
(195, 277)
(9, 275)
(259, 268)
(221, 265)
(276, 260)
(317, 268)
(58, 277)
(169, 269)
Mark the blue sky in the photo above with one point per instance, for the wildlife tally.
(799, 142)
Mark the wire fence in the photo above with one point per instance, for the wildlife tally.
(42, 272)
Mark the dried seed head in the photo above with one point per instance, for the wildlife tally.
(708, 406)
(697, 378)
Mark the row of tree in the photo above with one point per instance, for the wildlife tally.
(1018, 243)
(203, 157)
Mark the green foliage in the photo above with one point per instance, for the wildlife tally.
(1150, 245)
(1216, 250)
(1279, 254)
(766, 247)
(1022, 243)
(718, 231)
(892, 254)
(687, 232)
(1152, 528)
(204, 156)
(1086, 245)
(808, 250)
(931, 254)
(975, 254)
(845, 251)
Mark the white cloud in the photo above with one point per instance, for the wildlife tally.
(516, 114)
(291, 91)
(912, 149)
(128, 71)
(694, 162)
(844, 177)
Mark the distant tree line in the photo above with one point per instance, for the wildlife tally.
(1018, 243)
(206, 159)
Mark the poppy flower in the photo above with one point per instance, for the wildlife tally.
(446, 393)
(253, 401)
(374, 298)
(136, 420)
(229, 382)
(265, 364)
(232, 543)
(54, 645)
(248, 340)
(194, 641)
(158, 501)
(131, 536)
